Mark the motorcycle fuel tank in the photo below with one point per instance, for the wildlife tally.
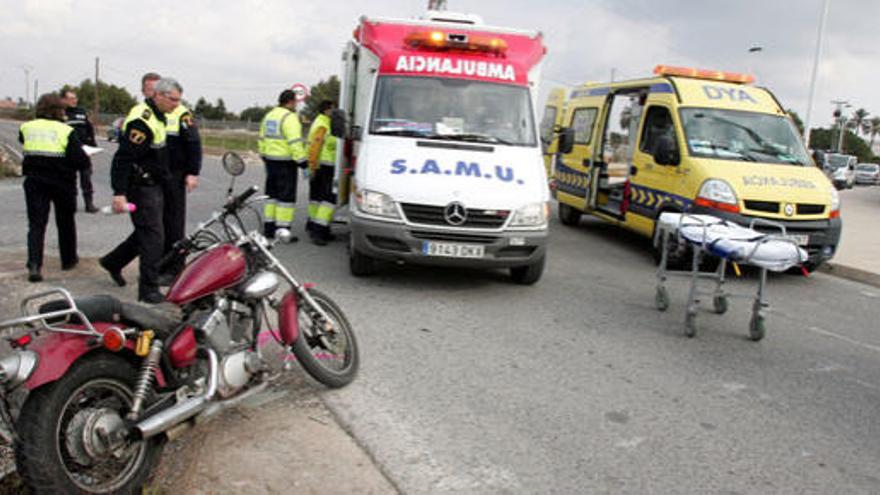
(215, 269)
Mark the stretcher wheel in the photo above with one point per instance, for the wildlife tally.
(720, 304)
(757, 329)
(661, 298)
(690, 325)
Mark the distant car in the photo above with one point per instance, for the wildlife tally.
(868, 173)
(115, 129)
(841, 169)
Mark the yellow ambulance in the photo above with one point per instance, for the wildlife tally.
(686, 140)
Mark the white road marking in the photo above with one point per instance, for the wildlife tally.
(630, 444)
(844, 338)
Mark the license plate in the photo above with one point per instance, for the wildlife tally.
(452, 250)
(801, 239)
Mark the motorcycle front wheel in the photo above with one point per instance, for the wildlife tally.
(61, 431)
(330, 357)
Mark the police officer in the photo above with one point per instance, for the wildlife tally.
(78, 119)
(148, 84)
(283, 151)
(322, 163)
(139, 168)
(185, 155)
(52, 156)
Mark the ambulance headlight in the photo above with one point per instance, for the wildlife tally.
(531, 215)
(719, 191)
(835, 200)
(377, 204)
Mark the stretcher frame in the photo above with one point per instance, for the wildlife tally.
(757, 322)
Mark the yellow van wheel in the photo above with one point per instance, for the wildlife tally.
(569, 215)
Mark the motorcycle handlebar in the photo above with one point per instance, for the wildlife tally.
(235, 203)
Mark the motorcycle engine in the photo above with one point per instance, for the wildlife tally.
(226, 325)
(236, 371)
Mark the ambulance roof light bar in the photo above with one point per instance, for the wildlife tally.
(442, 40)
(714, 75)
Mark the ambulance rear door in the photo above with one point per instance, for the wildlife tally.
(573, 169)
(553, 116)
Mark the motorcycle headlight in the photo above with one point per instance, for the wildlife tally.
(531, 215)
(377, 204)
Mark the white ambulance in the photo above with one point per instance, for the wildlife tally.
(441, 162)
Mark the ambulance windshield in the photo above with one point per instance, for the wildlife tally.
(742, 136)
(453, 109)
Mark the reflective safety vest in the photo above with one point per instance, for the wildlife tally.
(281, 136)
(143, 112)
(327, 155)
(44, 137)
(172, 120)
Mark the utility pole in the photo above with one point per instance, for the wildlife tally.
(97, 106)
(613, 73)
(36, 89)
(27, 84)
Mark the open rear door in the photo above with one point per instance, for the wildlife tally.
(550, 122)
(345, 150)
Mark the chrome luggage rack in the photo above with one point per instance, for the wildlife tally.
(31, 318)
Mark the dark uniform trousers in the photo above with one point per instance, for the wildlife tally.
(146, 241)
(174, 213)
(85, 182)
(321, 191)
(40, 196)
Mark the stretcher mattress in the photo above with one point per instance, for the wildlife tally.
(735, 242)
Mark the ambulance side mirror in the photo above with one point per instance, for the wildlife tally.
(566, 140)
(665, 151)
(337, 123)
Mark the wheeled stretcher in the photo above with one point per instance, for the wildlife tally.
(707, 235)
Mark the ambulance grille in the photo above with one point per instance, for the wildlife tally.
(765, 206)
(433, 215)
(808, 209)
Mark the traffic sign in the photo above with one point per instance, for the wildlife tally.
(301, 92)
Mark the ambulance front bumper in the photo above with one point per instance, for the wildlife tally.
(460, 247)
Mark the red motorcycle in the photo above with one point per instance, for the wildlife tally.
(108, 382)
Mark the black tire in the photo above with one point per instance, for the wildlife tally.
(678, 254)
(42, 457)
(305, 345)
(719, 303)
(360, 265)
(568, 215)
(528, 274)
(757, 328)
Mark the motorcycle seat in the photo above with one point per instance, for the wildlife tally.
(108, 309)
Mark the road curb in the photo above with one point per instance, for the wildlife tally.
(851, 273)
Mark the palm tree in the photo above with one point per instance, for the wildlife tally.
(858, 119)
(872, 128)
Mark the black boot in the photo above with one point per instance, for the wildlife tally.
(34, 274)
(90, 204)
(269, 230)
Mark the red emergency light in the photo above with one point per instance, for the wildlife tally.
(442, 40)
(714, 75)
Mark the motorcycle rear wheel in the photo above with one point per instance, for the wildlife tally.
(313, 352)
(42, 454)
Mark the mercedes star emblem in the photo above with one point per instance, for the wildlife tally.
(455, 214)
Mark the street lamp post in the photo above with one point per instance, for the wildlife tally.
(819, 37)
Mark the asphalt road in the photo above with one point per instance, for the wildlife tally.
(470, 384)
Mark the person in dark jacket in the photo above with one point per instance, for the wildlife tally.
(79, 120)
(137, 174)
(52, 156)
(185, 155)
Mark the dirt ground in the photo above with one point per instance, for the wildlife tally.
(282, 440)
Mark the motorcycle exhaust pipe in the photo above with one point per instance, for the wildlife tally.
(182, 411)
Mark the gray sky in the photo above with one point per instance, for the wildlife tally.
(246, 51)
